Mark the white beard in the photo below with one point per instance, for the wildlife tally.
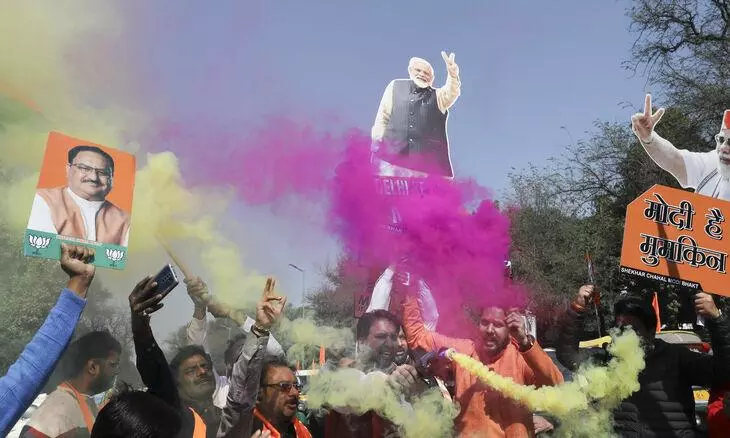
(723, 169)
(421, 84)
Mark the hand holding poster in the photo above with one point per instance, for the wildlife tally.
(84, 195)
(677, 237)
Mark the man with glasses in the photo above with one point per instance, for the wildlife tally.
(708, 173)
(80, 208)
(70, 410)
(276, 410)
(264, 391)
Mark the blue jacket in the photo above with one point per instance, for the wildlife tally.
(26, 377)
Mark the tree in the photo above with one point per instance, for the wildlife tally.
(332, 304)
(576, 205)
(684, 45)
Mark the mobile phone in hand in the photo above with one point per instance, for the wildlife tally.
(166, 281)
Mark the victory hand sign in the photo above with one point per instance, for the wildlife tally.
(451, 65)
(643, 123)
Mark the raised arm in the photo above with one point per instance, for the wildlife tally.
(197, 329)
(660, 150)
(26, 377)
(446, 96)
(567, 350)
(418, 336)
(539, 369)
(151, 362)
(237, 416)
(703, 369)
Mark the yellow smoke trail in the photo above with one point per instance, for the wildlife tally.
(35, 47)
(348, 390)
(39, 92)
(584, 405)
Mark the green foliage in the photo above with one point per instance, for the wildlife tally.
(576, 205)
(31, 288)
(332, 304)
(684, 46)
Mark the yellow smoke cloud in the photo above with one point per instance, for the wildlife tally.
(348, 390)
(304, 332)
(583, 405)
(40, 93)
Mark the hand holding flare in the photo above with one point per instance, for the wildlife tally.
(198, 291)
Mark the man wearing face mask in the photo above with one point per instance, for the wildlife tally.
(506, 348)
(80, 208)
(664, 404)
(708, 173)
(409, 133)
(70, 410)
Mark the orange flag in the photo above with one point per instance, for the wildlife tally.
(321, 355)
(655, 305)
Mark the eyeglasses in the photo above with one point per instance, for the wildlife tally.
(284, 386)
(721, 139)
(193, 370)
(86, 170)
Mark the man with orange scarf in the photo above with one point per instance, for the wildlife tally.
(506, 348)
(264, 392)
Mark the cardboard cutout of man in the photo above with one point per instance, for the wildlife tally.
(80, 208)
(410, 140)
(708, 173)
(411, 122)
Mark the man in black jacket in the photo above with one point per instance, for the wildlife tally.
(190, 387)
(664, 405)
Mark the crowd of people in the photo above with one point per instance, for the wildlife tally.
(259, 395)
(396, 339)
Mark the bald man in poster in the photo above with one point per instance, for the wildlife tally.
(80, 209)
(409, 134)
(708, 173)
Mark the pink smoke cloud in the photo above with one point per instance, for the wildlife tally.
(460, 253)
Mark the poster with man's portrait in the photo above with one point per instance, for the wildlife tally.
(83, 197)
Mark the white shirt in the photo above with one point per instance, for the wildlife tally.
(41, 219)
(699, 165)
(380, 299)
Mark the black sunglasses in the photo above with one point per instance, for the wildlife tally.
(284, 386)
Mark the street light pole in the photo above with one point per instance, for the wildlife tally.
(303, 276)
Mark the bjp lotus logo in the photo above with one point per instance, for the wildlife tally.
(38, 243)
(114, 255)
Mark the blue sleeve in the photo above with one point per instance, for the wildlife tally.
(26, 377)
